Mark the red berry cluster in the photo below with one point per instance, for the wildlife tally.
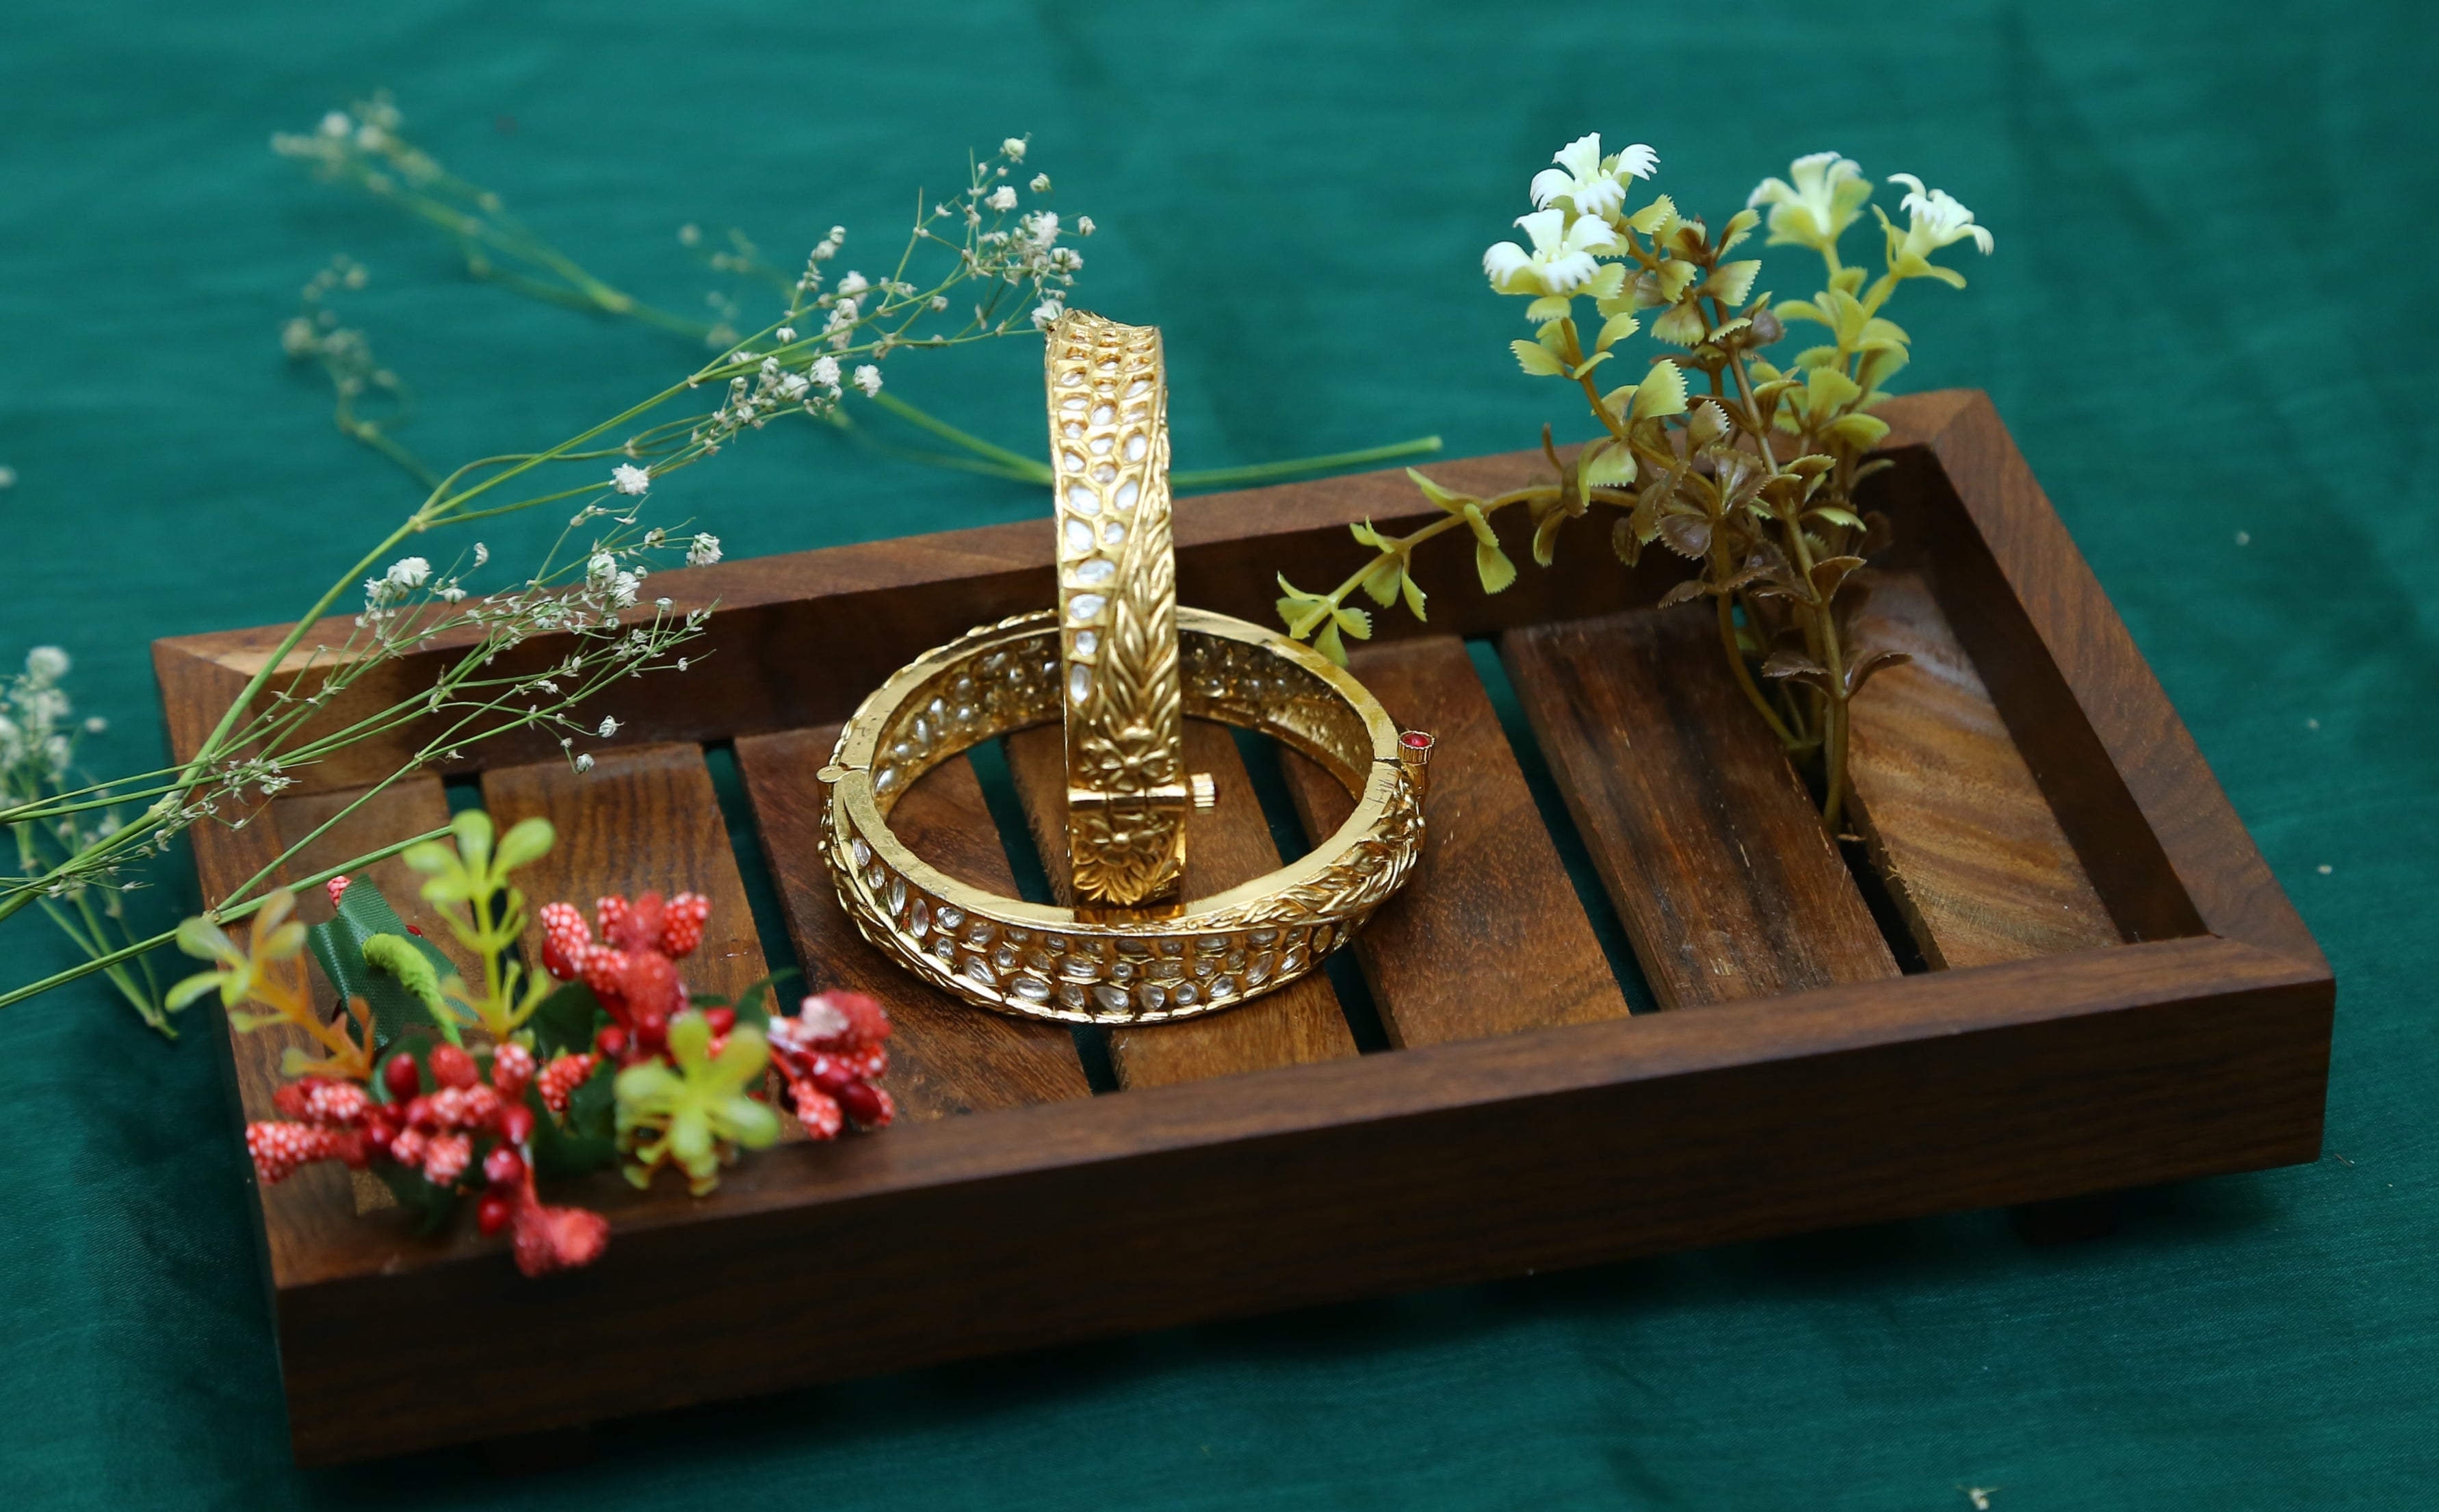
(832, 1057)
(632, 968)
(433, 1134)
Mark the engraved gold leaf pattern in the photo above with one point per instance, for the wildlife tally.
(1109, 433)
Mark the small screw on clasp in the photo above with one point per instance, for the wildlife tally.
(1414, 749)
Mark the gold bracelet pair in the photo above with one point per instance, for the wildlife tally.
(1123, 665)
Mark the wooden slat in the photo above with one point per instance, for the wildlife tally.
(1225, 846)
(1490, 903)
(1975, 859)
(944, 1057)
(1722, 872)
(645, 819)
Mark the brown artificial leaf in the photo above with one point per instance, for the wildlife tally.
(1684, 593)
(1622, 541)
(1827, 575)
(1688, 535)
(1852, 597)
(1869, 663)
(1879, 535)
(1545, 537)
(1795, 666)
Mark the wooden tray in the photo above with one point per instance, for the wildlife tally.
(2081, 976)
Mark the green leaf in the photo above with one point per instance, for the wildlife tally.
(1612, 466)
(1537, 359)
(1826, 388)
(1653, 216)
(1835, 516)
(565, 1022)
(1329, 644)
(471, 827)
(190, 988)
(1739, 227)
(526, 841)
(1731, 281)
(1589, 363)
(1446, 498)
(1861, 432)
(1682, 326)
(338, 944)
(1802, 309)
(1300, 611)
(1494, 568)
(586, 1137)
(1413, 594)
(432, 1207)
(1616, 328)
(1549, 307)
(1380, 581)
(1661, 392)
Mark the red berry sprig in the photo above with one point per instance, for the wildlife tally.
(831, 1055)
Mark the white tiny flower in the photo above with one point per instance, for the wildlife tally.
(628, 478)
(703, 552)
(1938, 219)
(1083, 225)
(940, 302)
(825, 371)
(853, 284)
(584, 761)
(409, 572)
(482, 553)
(682, 664)
(1040, 184)
(867, 378)
(794, 386)
(337, 124)
(47, 663)
(785, 334)
(609, 727)
(690, 234)
(601, 569)
(1588, 184)
(1047, 314)
(452, 594)
(96, 725)
(655, 538)
(663, 605)
(1042, 225)
(8, 478)
(1002, 198)
(1560, 261)
(1013, 149)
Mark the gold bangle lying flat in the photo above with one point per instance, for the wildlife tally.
(1103, 964)
(1126, 786)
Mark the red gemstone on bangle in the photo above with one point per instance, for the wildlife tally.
(1416, 741)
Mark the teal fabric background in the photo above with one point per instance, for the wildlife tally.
(2204, 317)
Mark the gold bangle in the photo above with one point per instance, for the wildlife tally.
(1127, 787)
(1133, 966)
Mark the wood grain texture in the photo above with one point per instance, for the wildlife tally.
(644, 820)
(1311, 1183)
(1225, 846)
(1710, 848)
(945, 1057)
(2202, 1049)
(1488, 937)
(1956, 824)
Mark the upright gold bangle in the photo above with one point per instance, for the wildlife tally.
(1140, 966)
(1126, 788)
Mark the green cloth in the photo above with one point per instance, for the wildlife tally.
(2199, 322)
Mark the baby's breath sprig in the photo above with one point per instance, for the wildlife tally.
(1754, 479)
(365, 147)
(972, 270)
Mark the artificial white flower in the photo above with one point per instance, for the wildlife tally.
(1040, 184)
(1013, 149)
(1083, 225)
(825, 371)
(584, 761)
(46, 663)
(409, 572)
(853, 284)
(1938, 219)
(1588, 182)
(628, 478)
(337, 124)
(795, 385)
(1043, 226)
(785, 334)
(8, 478)
(1002, 198)
(1560, 261)
(703, 552)
(482, 553)
(609, 727)
(1816, 210)
(867, 378)
(96, 725)
(1047, 314)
